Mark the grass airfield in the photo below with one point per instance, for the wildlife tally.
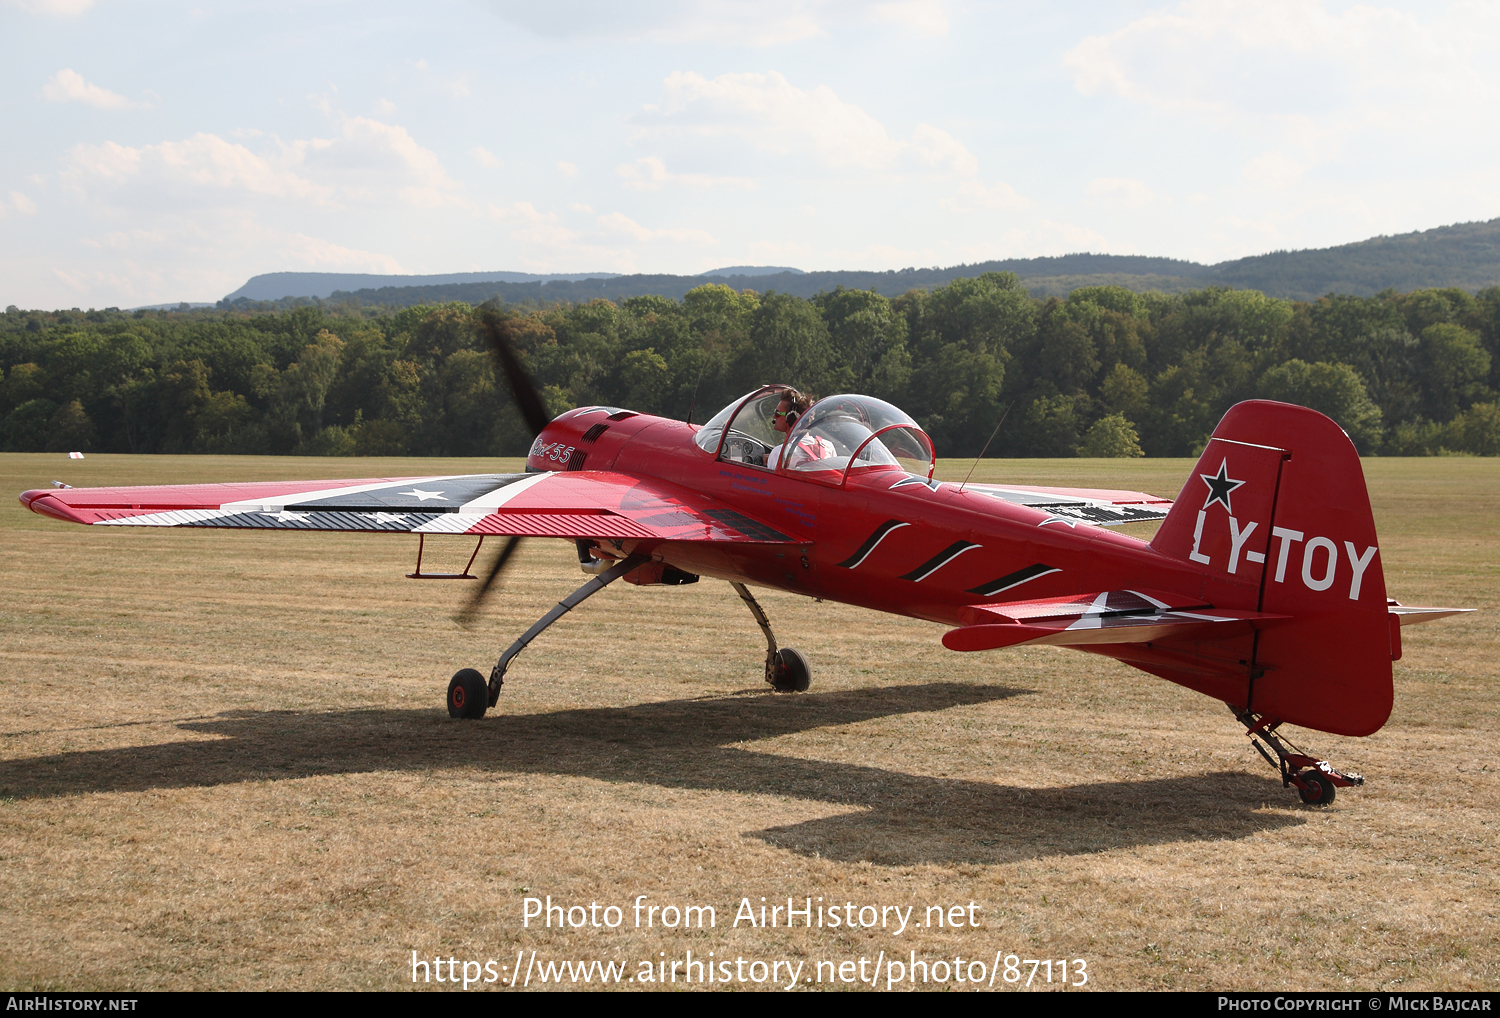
(225, 763)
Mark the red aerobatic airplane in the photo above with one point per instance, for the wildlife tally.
(1262, 588)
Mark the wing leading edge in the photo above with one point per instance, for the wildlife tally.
(579, 504)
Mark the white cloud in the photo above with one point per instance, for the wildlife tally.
(161, 174)
(23, 204)
(768, 113)
(67, 85)
(1121, 191)
(925, 17)
(540, 229)
(368, 162)
(935, 147)
(1273, 169)
(1321, 123)
(1310, 71)
(199, 255)
(567, 169)
(384, 107)
(938, 149)
(315, 252)
(752, 23)
(542, 244)
(650, 174)
(772, 115)
(999, 196)
(485, 157)
(521, 211)
(371, 161)
(580, 207)
(615, 222)
(54, 8)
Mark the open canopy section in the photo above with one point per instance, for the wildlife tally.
(745, 428)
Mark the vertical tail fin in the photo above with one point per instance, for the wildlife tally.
(1276, 518)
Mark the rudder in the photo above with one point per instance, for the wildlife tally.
(1276, 518)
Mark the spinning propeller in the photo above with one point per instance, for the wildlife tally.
(533, 411)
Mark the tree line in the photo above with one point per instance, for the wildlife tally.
(1103, 372)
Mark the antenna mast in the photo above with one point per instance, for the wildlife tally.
(987, 444)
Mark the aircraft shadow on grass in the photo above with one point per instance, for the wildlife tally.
(887, 816)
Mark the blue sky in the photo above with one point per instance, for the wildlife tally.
(168, 151)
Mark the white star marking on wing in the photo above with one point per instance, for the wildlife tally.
(385, 517)
(286, 515)
(1058, 519)
(423, 496)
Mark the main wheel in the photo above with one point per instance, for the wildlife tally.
(468, 694)
(793, 673)
(1321, 792)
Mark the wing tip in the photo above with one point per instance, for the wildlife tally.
(40, 500)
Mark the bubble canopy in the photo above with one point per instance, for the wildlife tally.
(838, 435)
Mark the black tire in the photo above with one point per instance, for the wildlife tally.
(1321, 790)
(793, 673)
(468, 695)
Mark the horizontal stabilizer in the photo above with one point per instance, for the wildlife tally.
(1107, 617)
(1411, 615)
(1100, 603)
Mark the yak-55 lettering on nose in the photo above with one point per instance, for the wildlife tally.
(1262, 588)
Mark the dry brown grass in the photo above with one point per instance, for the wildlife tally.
(225, 764)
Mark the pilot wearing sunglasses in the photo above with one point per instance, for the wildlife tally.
(808, 447)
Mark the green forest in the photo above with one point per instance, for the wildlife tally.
(1103, 372)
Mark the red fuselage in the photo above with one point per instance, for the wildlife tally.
(834, 516)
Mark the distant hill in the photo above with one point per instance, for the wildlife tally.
(751, 270)
(279, 285)
(1149, 273)
(1465, 255)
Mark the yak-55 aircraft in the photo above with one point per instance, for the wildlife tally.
(1262, 588)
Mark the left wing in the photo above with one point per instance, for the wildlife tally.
(1112, 616)
(1098, 506)
(585, 503)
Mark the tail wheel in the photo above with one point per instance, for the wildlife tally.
(1319, 790)
(468, 695)
(793, 673)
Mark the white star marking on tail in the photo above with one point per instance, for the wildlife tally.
(423, 496)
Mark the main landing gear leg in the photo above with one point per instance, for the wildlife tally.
(469, 695)
(787, 669)
(1315, 779)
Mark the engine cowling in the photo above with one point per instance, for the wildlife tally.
(586, 438)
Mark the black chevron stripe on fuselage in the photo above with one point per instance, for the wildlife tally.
(1014, 579)
(871, 541)
(939, 560)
